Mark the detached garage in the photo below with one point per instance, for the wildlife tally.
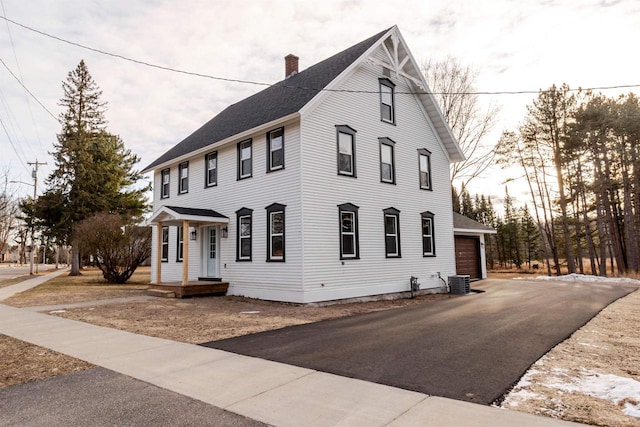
(470, 248)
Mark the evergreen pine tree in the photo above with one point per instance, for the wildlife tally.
(93, 169)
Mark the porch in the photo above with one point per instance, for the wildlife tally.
(189, 289)
(191, 222)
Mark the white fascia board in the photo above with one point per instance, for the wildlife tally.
(473, 231)
(282, 121)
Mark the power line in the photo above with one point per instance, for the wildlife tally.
(28, 91)
(13, 145)
(15, 56)
(208, 76)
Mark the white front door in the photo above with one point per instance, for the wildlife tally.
(211, 251)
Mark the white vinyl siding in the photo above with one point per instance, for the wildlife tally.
(325, 277)
(258, 278)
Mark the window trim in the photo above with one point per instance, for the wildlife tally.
(183, 181)
(272, 209)
(270, 167)
(179, 244)
(347, 130)
(207, 157)
(392, 213)
(244, 213)
(389, 84)
(164, 244)
(423, 152)
(353, 209)
(428, 216)
(165, 194)
(249, 175)
(391, 144)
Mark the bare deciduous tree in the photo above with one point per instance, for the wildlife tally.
(452, 84)
(117, 247)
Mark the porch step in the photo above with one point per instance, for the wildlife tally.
(161, 293)
(178, 290)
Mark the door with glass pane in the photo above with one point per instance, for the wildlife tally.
(211, 251)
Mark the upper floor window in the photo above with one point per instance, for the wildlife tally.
(392, 232)
(180, 244)
(245, 154)
(165, 176)
(275, 150)
(211, 169)
(244, 224)
(425, 168)
(346, 140)
(349, 239)
(428, 240)
(387, 101)
(387, 161)
(165, 245)
(183, 178)
(275, 232)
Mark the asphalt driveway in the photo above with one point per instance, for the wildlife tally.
(471, 348)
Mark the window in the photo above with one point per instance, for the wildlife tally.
(387, 106)
(425, 168)
(164, 184)
(244, 159)
(346, 137)
(275, 150)
(349, 248)
(387, 161)
(165, 244)
(243, 244)
(392, 232)
(211, 169)
(180, 248)
(183, 178)
(428, 240)
(275, 232)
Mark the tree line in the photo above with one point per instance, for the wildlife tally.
(579, 153)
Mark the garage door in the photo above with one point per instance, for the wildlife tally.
(468, 256)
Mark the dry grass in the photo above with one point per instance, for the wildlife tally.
(89, 286)
(21, 362)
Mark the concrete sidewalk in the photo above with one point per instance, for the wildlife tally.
(270, 392)
(9, 291)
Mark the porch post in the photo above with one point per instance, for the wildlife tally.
(159, 253)
(185, 252)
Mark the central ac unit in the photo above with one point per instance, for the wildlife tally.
(459, 284)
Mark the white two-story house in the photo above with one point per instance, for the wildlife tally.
(331, 184)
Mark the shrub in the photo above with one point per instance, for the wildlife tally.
(117, 246)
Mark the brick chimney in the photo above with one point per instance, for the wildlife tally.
(290, 65)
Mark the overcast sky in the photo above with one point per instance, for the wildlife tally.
(515, 45)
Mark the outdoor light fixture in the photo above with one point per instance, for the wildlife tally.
(224, 232)
(192, 233)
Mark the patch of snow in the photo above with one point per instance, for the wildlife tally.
(516, 397)
(604, 386)
(58, 311)
(249, 312)
(574, 277)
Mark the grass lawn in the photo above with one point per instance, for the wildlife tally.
(87, 287)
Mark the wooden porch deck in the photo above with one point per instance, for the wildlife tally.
(178, 290)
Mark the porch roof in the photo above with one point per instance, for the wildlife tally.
(177, 214)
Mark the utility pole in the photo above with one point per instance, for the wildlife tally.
(34, 174)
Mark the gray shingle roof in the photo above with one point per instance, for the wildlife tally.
(272, 103)
(196, 212)
(463, 223)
